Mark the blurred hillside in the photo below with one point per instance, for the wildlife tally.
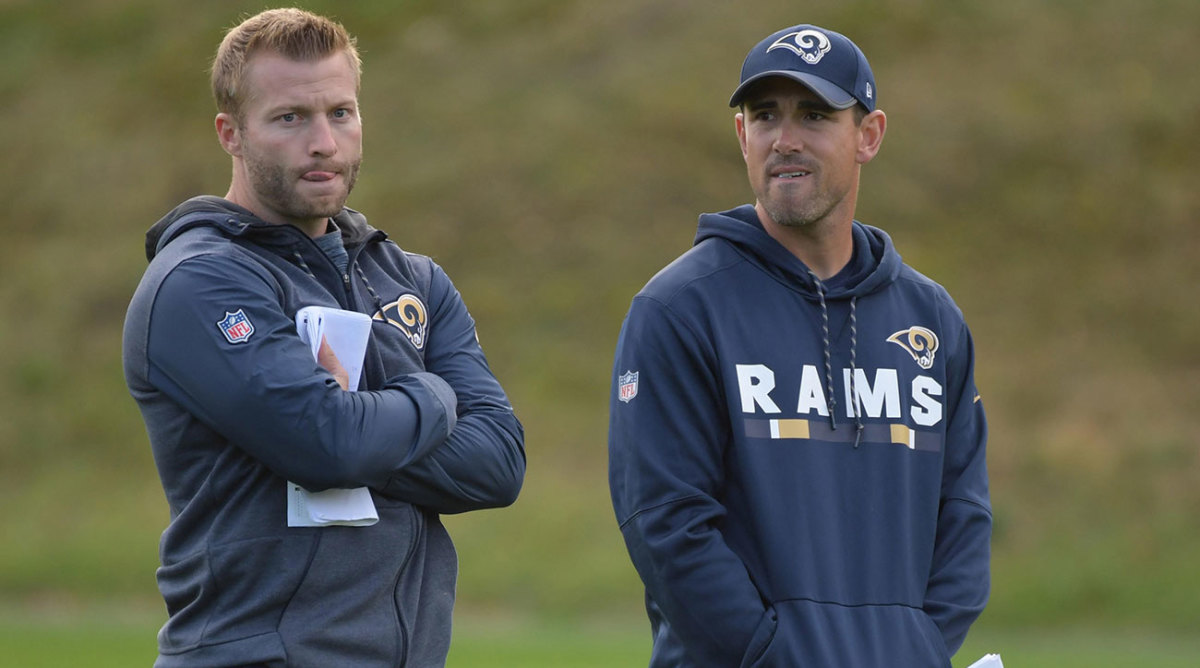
(552, 155)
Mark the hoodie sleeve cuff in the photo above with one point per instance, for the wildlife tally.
(445, 395)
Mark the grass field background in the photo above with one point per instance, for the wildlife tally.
(1040, 162)
(84, 640)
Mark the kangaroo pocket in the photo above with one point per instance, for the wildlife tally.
(313, 597)
(264, 651)
(868, 636)
(230, 592)
(344, 613)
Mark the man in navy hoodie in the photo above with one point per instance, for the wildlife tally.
(797, 446)
(247, 427)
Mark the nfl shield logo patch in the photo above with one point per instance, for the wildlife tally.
(627, 386)
(236, 327)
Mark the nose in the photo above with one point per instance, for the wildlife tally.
(321, 140)
(789, 139)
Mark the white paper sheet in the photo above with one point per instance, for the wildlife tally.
(347, 333)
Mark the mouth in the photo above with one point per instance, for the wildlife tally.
(790, 172)
(316, 176)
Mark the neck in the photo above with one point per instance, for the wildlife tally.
(825, 246)
(313, 227)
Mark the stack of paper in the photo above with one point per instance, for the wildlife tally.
(347, 333)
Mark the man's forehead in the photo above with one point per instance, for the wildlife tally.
(272, 75)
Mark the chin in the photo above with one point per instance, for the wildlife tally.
(325, 206)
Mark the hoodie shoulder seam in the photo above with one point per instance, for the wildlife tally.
(687, 282)
(921, 281)
(224, 254)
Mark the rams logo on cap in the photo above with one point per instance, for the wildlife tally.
(407, 314)
(920, 342)
(810, 45)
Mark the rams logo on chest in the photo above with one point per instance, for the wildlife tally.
(408, 314)
(920, 342)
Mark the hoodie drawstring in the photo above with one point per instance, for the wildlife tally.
(858, 424)
(303, 265)
(361, 275)
(370, 290)
(831, 399)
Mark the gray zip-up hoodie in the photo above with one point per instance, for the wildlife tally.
(235, 406)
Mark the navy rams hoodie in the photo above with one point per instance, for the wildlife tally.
(797, 466)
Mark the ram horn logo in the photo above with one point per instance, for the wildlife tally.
(810, 45)
(407, 314)
(920, 342)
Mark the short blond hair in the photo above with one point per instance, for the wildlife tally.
(293, 33)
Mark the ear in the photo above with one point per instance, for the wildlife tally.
(870, 136)
(229, 134)
(739, 122)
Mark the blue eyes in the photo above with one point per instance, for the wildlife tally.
(292, 117)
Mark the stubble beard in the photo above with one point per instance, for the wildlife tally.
(790, 210)
(275, 186)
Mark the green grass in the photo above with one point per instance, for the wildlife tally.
(118, 641)
(1082, 647)
(92, 641)
(488, 644)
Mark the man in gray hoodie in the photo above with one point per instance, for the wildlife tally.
(245, 424)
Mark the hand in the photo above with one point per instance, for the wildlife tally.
(329, 361)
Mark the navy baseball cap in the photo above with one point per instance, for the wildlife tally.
(826, 62)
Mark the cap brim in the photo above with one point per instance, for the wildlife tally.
(833, 95)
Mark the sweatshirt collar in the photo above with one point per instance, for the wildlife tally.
(236, 221)
(874, 262)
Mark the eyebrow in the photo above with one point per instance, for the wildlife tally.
(814, 105)
(307, 107)
(756, 105)
(806, 105)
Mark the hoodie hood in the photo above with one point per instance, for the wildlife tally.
(235, 221)
(875, 262)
